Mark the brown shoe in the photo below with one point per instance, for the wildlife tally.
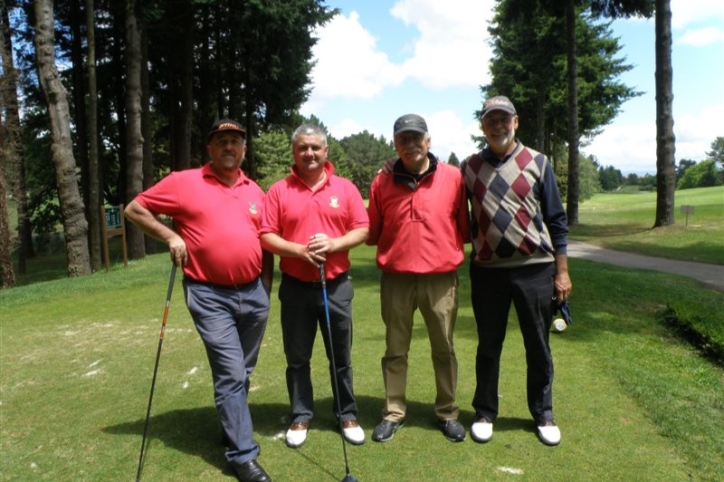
(297, 434)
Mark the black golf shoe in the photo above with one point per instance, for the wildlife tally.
(452, 429)
(251, 471)
(386, 430)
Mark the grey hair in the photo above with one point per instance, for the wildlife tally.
(309, 130)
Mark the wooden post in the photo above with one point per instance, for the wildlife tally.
(113, 224)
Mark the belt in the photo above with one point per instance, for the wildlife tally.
(219, 286)
(315, 284)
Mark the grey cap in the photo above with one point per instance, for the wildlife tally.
(499, 102)
(410, 122)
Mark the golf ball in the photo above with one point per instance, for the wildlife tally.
(559, 325)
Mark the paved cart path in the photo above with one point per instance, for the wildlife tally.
(710, 274)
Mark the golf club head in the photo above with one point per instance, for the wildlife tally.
(349, 478)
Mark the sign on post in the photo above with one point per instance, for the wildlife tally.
(113, 224)
(687, 210)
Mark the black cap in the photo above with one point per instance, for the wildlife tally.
(410, 122)
(499, 102)
(224, 125)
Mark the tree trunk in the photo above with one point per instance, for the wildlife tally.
(573, 164)
(95, 200)
(540, 120)
(134, 139)
(7, 274)
(9, 160)
(75, 226)
(665, 140)
(11, 145)
(187, 87)
(146, 127)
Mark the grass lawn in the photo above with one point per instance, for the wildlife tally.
(623, 221)
(633, 403)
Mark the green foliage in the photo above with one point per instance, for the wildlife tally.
(365, 155)
(717, 154)
(275, 157)
(610, 177)
(453, 160)
(647, 182)
(529, 66)
(622, 8)
(703, 174)
(684, 164)
(588, 179)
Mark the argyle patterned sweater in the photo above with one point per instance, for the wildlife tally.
(515, 207)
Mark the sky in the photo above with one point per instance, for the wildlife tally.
(379, 59)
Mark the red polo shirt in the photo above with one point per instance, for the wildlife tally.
(295, 212)
(219, 223)
(419, 227)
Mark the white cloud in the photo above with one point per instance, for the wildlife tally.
(687, 12)
(451, 134)
(349, 65)
(451, 49)
(696, 131)
(347, 127)
(701, 37)
(632, 147)
(628, 147)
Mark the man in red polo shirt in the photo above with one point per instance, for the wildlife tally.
(227, 280)
(419, 221)
(313, 217)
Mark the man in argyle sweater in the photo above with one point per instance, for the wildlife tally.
(519, 237)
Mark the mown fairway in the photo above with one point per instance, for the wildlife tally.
(634, 403)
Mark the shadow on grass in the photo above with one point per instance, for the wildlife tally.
(197, 432)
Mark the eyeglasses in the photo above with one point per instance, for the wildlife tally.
(490, 121)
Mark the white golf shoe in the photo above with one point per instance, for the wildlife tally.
(353, 433)
(549, 433)
(481, 430)
(297, 434)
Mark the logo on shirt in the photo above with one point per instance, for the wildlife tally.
(252, 208)
(334, 202)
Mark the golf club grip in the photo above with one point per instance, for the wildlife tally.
(171, 280)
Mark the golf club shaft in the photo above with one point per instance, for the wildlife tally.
(335, 385)
(155, 370)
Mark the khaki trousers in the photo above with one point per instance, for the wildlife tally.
(436, 296)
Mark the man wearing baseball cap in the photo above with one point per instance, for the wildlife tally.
(519, 239)
(217, 213)
(419, 223)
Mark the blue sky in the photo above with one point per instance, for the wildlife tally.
(379, 59)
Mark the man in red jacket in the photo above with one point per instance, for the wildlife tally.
(419, 222)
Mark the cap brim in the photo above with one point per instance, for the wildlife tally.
(411, 129)
(507, 110)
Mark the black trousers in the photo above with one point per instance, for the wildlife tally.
(302, 312)
(531, 290)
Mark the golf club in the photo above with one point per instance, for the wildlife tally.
(155, 370)
(348, 477)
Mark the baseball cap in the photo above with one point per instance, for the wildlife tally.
(410, 122)
(499, 102)
(224, 125)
